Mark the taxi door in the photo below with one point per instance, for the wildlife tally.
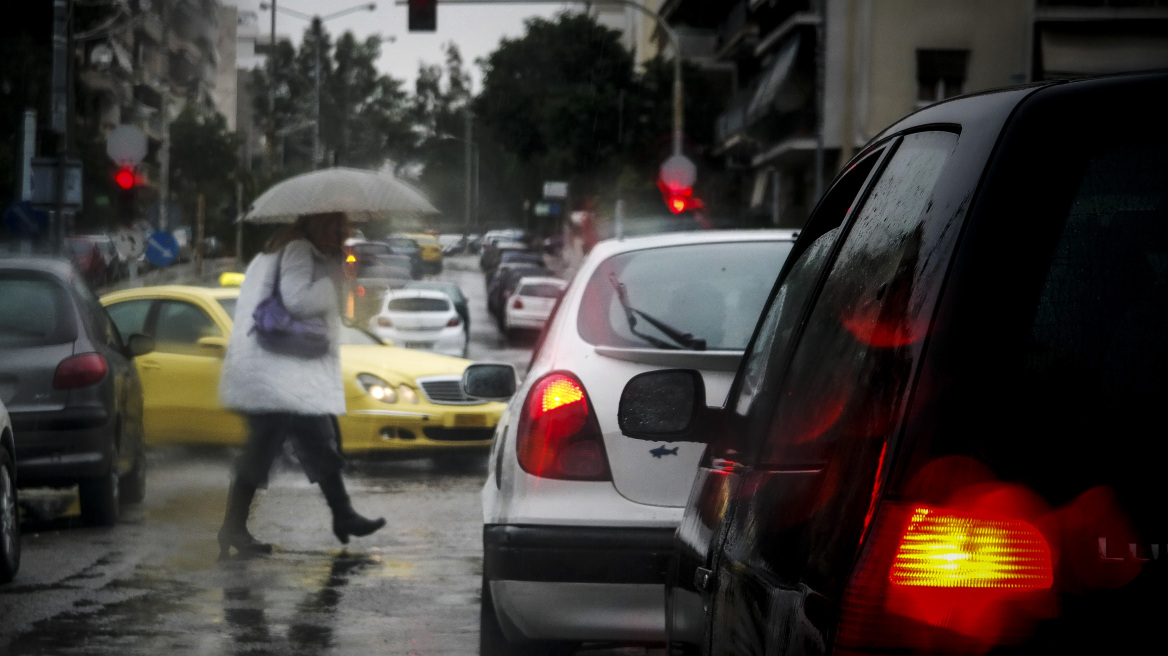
(181, 378)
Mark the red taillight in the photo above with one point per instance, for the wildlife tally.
(384, 322)
(360, 290)
(945, 579)
(80, 371)
(518, 304)
(453, 322)
(950, 550)
(559, 436)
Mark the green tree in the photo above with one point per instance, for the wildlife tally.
(203, 161)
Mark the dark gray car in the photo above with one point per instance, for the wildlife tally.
(70, 386)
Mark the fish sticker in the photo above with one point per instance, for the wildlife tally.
(662, 451)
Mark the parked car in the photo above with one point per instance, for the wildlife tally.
(531, 304)
(409, 248)
(493, 254)
(941, 440)
(503, 285)
(116, 267)
(578, 519)
(454, 292)
(88, 259)
(452, 244)
(513, 257)
(9, 501)
(69, 383)
(421, 319)
(431, 251)
(398, 401)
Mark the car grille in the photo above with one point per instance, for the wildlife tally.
(446, 390)
(439, 434)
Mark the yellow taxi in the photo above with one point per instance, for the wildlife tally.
(431, 250)
(398, 400)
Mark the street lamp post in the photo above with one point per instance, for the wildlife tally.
(471, 170)
(317, 22)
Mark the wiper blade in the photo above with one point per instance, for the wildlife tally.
(682, 339)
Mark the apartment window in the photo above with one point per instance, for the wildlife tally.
(940, 75)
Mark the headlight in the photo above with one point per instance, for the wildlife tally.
(378, 388)
(408, 395)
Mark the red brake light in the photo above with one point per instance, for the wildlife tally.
(559, 436)
(453, 322)
(945, 579)
(949, 550)
(384, 322)
(80, 371)
(518, 304)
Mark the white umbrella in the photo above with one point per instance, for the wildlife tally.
(362, 195)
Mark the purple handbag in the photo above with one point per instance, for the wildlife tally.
(279, 332)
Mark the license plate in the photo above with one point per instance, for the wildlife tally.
(470, 420)
(419, 345)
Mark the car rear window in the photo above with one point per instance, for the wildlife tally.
(418, 305)
(36, 312)
(713, 291)
(541, 290)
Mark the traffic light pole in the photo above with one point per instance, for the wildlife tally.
(678, 95)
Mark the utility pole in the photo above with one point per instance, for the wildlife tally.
(469, 144)
(59, 116)
(270, 141)
(164, 167)
(316, 154)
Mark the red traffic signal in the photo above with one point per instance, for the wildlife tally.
(423, 15)
(124, 178)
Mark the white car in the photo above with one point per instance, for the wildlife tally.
(579, 519)
(421, 319)
(531, 304)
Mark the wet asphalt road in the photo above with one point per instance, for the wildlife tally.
(153, 585)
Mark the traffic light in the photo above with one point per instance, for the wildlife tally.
(127, 184)
(676, 181)
(124, 178)
(679, 199)
(423, 15)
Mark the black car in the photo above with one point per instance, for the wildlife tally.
(512, 257)
(68, 380)
(946, 435)
(411, 249)
(9, 502)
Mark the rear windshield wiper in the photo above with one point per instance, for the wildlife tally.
(683, 340)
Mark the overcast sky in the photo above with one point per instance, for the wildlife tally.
(476, 30)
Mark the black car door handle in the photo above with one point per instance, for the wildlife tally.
(703, 579)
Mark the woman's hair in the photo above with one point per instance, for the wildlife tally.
(327, 232)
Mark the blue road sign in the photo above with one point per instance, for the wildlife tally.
(161, 249)
(25, 221)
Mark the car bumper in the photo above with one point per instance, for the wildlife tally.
(63, 446)
(448, 341)
(578, 583)
(418, 430)
(526, 320)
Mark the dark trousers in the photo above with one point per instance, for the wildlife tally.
(315, 439)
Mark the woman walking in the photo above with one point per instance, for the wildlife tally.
(289, 392)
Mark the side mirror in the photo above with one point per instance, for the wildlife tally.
(216, 346)
(139, 344)
(489, 382)
(664, 405)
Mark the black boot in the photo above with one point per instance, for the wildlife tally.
(234, 532)
(346, 521)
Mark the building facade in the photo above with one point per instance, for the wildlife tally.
(815, 80)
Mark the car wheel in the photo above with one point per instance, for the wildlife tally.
(100, 497)
(133, 484)
(9, 521)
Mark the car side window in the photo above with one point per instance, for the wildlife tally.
(105, 331)
(130, 316)
(784, 315)
(850, 369)
(180, 326)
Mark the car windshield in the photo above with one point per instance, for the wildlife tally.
(713, 292)
(418, 304)
(228, 305)
(353, 336)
